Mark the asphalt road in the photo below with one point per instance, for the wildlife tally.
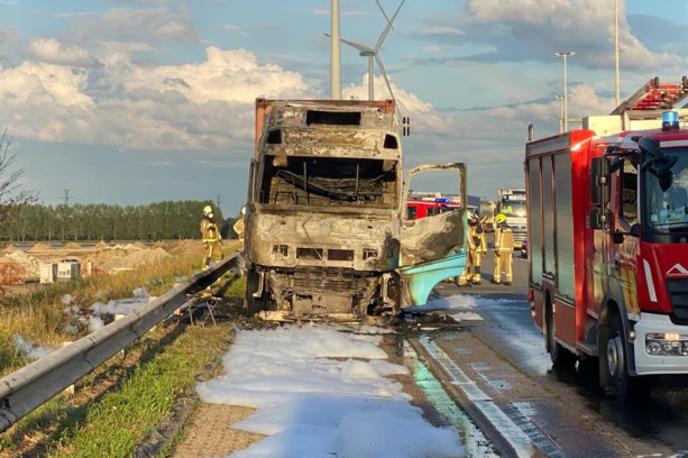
(504, 353)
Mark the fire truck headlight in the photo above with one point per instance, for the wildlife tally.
(669, 344)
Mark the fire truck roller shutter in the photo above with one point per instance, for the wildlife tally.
(548, 209)
(564, 226)
(534, 222)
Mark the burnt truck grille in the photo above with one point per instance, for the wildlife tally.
(678, 293)
(327, 282)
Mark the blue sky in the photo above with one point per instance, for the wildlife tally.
(130, 101)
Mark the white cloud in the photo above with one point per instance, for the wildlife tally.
(52, 51)
(205, 105)
(424, 117)
(157, 24)
(583, 25)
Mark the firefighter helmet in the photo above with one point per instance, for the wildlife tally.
(500, 218)
(207, 210)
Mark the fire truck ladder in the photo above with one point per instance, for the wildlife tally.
(653, 98)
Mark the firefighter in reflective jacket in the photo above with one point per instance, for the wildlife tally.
(477, 246)
(210, 235)
(504, 250)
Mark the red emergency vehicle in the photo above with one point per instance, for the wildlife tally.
(608, 239)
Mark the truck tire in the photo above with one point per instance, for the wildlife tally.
(613, 366)
(561, 357)
(253, 305)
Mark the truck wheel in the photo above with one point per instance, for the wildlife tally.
(620, 384)
(561, 357)
(252, 305)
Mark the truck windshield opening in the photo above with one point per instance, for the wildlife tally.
(322, 182)
(668, 210)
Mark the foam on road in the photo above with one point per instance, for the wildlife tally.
(322, 392)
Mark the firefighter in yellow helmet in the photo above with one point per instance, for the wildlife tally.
(239, 227)
(477, 246)
(504, 251)
(210, 235)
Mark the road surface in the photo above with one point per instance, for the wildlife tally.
(503, 353)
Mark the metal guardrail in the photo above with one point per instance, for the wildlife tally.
(32, 386)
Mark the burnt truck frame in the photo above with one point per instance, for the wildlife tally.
(326, 235)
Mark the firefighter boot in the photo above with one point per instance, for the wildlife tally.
(476, 276)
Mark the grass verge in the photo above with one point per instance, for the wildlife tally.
(120, 420)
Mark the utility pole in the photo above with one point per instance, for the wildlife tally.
(66, 197)
(617, 56)
(560, 98)
(218, 200)
(566, 55)
(335, 54)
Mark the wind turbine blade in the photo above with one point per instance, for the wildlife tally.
(384, 74)
(353, 44)
(387, 28)
(384, 13)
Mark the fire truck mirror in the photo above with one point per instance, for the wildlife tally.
(599, 181)
(599, 218)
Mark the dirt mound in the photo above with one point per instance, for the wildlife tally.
(41, 246)
(102, 245)
(184, 247)
(134, 259)
(30, 264)
(71, 246)
(140, 245)
(7, 249)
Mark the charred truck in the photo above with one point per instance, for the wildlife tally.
(608, 239)
(327, 236)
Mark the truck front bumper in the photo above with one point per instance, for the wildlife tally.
(647, 364)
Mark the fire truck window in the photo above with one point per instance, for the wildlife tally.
(629, 192)
(411, 213)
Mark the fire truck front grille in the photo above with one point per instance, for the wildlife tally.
(678, 292)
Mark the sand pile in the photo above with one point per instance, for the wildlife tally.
(29, 264)
(135, 258)
(102, 245)
(40, 247)
(184, 247)
(71, 246)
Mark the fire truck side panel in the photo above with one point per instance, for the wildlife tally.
(556, 169)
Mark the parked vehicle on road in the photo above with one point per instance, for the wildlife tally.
(608, 239)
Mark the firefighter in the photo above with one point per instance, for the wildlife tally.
(238, 227)
(477, 246)
(504, 250)
(210, 235)
(477, 232)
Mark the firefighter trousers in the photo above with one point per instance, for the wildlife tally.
(212, 253)
(503, 261)
(472, 272)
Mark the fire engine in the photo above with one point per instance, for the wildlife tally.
(608, 240)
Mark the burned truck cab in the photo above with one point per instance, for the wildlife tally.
(323, 211)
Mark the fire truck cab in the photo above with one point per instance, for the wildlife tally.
(608, 240)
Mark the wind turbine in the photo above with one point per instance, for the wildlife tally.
(373, 53)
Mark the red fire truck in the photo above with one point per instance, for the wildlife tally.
(608, 239)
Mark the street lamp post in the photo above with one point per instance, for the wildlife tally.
(617, 56)
(566, 55)
(560, 98)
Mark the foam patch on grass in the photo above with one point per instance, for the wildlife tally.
(322, 392)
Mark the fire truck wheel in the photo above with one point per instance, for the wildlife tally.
(561, 357)
(252, 305)
(620, 384)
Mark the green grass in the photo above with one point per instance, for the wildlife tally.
(121, 420)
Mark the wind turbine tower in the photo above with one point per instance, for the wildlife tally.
(335, 54)
(373, 53)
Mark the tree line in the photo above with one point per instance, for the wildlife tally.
(156, 221)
